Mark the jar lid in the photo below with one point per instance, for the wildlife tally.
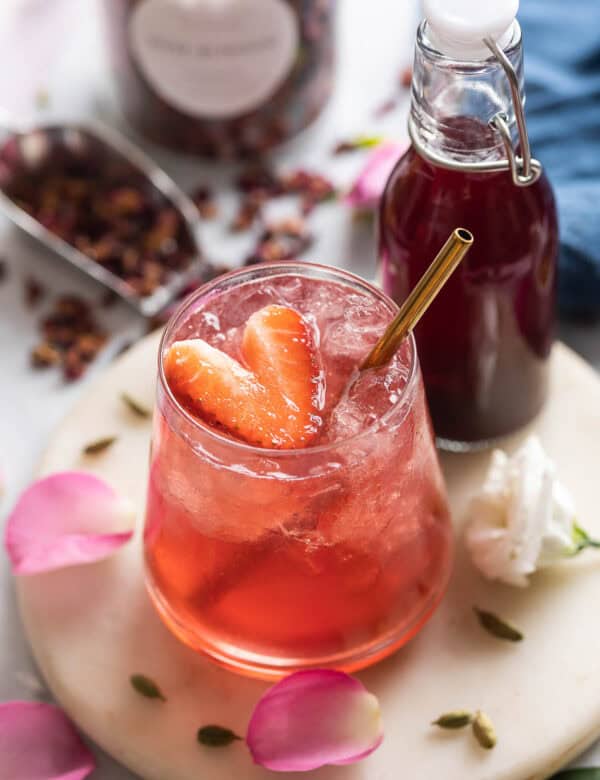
(457, 27)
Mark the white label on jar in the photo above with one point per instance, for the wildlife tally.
(214, 58)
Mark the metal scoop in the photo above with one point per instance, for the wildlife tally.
(27, 145)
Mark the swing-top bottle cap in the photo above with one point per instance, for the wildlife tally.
(457, 27)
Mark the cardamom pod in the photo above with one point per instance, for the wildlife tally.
(135, 406)
(216, 736)
(146, 687)
(453, 720)
(94, 447)
(497, 626)
(483, 730)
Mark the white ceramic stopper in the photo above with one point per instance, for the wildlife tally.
(457, 27)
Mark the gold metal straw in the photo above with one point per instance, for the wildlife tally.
(417, 303)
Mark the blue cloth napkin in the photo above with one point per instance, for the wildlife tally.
(562, 81)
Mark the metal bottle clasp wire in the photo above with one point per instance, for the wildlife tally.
(524, 168)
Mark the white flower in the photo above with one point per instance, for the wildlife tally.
(523, 518)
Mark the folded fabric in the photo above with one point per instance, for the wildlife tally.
(562, 77)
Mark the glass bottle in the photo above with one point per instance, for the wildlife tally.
(221, 78)
(485, 342)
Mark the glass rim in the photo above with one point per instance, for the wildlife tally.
(286, 268)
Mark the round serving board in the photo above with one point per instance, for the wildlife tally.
(91, 627)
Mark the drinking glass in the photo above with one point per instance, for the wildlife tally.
(333, 555)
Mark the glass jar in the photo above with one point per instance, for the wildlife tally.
(225, 78)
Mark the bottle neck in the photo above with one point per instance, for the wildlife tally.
(454, 102)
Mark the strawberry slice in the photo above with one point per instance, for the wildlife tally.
(276, 403)
(278, 346)
(217, 388)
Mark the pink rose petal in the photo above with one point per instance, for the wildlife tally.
(314, 718)
(64, 520)
(38, 742)
(369, 186)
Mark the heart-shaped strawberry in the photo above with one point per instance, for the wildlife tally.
(274, 401)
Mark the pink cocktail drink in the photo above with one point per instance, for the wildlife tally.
(275, 558)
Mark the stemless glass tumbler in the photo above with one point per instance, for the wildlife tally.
(271, 561)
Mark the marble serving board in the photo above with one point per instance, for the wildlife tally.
(91, 627)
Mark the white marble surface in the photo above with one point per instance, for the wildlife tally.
(96, 623)
(374, 42)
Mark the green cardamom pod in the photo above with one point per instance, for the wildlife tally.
(216, 736)
(483, 730)
(99, 445)
(146, 687)
(497, 626)
(584, 773)
(135, 406)
(453, 720)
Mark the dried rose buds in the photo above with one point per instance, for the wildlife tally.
(71, 337)
(283, 240)
(88, 194)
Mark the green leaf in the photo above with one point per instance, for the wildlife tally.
(367, 141)
(358, 142)
(216, 736)
(146, 687)
(497, 626)
(582, 540)
(585, 773)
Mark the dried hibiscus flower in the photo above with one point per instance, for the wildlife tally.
(283, 240)
(71, 337)
(89, 195)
